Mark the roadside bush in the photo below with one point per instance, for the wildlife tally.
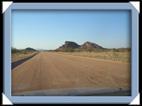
(14, 50)
(69, 50)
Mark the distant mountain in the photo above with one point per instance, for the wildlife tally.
(30, 49)
(71, 46)
(90, 45)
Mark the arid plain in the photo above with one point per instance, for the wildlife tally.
(53, 70)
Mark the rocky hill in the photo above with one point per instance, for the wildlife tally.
(71, 46)
(30, 49)
(90, 45)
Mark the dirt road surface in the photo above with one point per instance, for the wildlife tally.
(47, 71)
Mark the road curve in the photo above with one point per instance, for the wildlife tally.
(49, 70)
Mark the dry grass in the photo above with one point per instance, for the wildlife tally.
(21, 55)
(109, 55)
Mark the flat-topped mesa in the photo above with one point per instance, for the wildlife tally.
(69, 44)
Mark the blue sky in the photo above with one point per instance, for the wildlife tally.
(50, 29)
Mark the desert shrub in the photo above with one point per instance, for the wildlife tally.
(14, 50)
(69, 50)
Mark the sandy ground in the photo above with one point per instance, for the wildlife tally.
(47, 71)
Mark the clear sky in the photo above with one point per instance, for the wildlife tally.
(50, 29)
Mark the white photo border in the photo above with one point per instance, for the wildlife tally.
(72, 99)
